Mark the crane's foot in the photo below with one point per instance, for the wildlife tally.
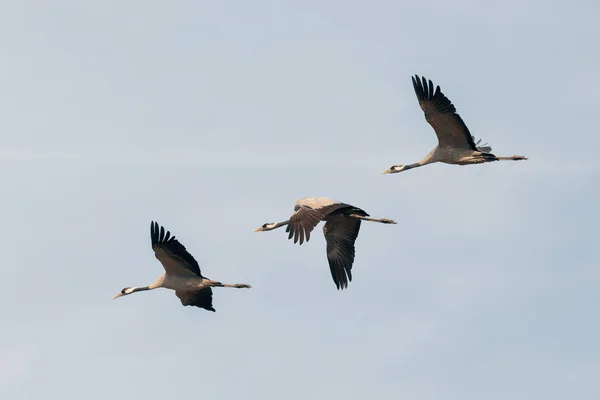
(242, 285)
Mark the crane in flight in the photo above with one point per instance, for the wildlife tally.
(182, 272)
(342, 223)
(456, 145)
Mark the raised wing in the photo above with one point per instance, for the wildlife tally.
(340, 234)
(201, 298)
(308, 213)
(172, 254)
(442, 116)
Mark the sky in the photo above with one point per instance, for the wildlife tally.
(213, 118)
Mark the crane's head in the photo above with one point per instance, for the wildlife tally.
(394, 169)
(124, 292)
(269, 226)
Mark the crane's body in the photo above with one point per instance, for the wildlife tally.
(456, 145)
(342, 224)
(182, 272)
(177, 282)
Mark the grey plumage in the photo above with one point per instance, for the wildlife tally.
(177, 261)
(342, 225)
(456, 145)
(308, 213)
(182, 272)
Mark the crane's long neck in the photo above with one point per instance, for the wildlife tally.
(430, 158)
(130, 290)
(272, 225)
(433, 156)
(279, 224)
(139, 289)
(381, 220)
(415, 165)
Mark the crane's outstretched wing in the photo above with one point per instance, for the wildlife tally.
(442, 116)
(172, 255)
(340, 234)
(200, 298)
(308, 213)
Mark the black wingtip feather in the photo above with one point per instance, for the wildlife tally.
(158, 234)
(424, 89)
(417, 86)
(154, 233)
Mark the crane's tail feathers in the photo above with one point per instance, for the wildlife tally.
(484, 148)
(381, 220)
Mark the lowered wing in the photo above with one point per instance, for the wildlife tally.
(200, 298)
(340, 234)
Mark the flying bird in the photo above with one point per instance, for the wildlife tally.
(342, 223)
(456, 145)
(182, 272)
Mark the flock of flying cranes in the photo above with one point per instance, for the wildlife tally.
(456, 145)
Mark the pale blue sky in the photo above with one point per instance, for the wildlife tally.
(214, 117)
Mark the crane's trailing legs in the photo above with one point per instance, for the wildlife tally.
(479, 158)
(230, 285)
(513, 158)
(380, 220)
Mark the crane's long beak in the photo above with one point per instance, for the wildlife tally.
(117, 296)
(258, 229)
(389, 171)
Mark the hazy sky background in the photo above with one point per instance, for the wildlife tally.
(214, 117)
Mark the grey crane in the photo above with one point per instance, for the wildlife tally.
(182, 272)
(456, 145)
(342, 223)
